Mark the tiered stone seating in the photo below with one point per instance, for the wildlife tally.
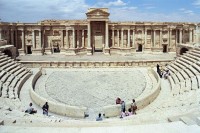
(185, 72)
(12, 74)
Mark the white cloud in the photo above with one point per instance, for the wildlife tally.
(185, 11)
(196, 3)
(116, 3)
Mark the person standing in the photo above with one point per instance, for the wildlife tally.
(45, 109)
(30, 109)
(133, 106)
(99, 118)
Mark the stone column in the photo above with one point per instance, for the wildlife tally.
(67, 39)
(0, 34)
(23, 39)
(180, 36)
(145, 37)
(89, 35)
(12, 37)
(122, 38)
(170, 36)
(33, 39)
(118, 38)
(154, 37)
(62, 39)
(40, 39)
(128, 38)
(133, 45)
(78, 38)
(190, 38)
(73, 34)
(16, 39)
(160, 38)
(83, 39)
(113, 37)
(107, 35)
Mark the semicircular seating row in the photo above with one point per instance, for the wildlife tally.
(185, 73)
(12, 77)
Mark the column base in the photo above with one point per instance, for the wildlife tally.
(47, 51)
(89, 51)
(107, 51)
(37, 52)
(21, 52)
(70, 51)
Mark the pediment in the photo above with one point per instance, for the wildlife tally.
(97, 13)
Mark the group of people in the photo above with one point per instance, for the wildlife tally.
(163, 73)
(131, 110)
(31, 110)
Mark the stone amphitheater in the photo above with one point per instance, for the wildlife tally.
(90, 87)
(119, 64)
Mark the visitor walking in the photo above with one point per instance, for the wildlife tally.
(45, 109)
(133, 107)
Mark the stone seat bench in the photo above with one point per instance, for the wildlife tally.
(8, 69)
(2, 73)
(22, 74)
(3, 59)
(19, 84)
(188, 59)
(5, 77)
(8, 65)
(19, 71)
(192, 56)
(195, 54)
(177, 68)
(4, 91)
(196, 51)
(15, 69)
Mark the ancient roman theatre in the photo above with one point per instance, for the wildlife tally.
(80, 67)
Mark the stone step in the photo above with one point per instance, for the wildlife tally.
(187, 120)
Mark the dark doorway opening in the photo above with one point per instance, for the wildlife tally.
(56, 49)
(29, 51)
(139, 48)
(183, 50)
(164, 48)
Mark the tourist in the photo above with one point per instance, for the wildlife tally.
(123, 109)
(133, 107)
(99, 118)
(45, 109)
(30, 109)
(129, 113)
(118, 101)
(159, 71)
(166, 74)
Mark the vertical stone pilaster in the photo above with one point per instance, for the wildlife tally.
(170, 37)
(83, 39)
(145, 37)
(33, 39)
(161, 41)
(133, 45)
(113, 37)
(190, 37)
(118, 45)
(16, 39)
(180, 36)
(23, 37)
(67, 39)
(73, 34)
(40, 39)
(89, 36)
(128, 38)
(62, 39)
(12, 37)
(107, 35)
(1, 34)
(122, 38)
(154, 37)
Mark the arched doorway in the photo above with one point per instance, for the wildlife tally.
(139, 48)
(165, 49)
(183, 50)
(8, 52)
(29, 51)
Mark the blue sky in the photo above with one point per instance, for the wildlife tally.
(120, 10)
